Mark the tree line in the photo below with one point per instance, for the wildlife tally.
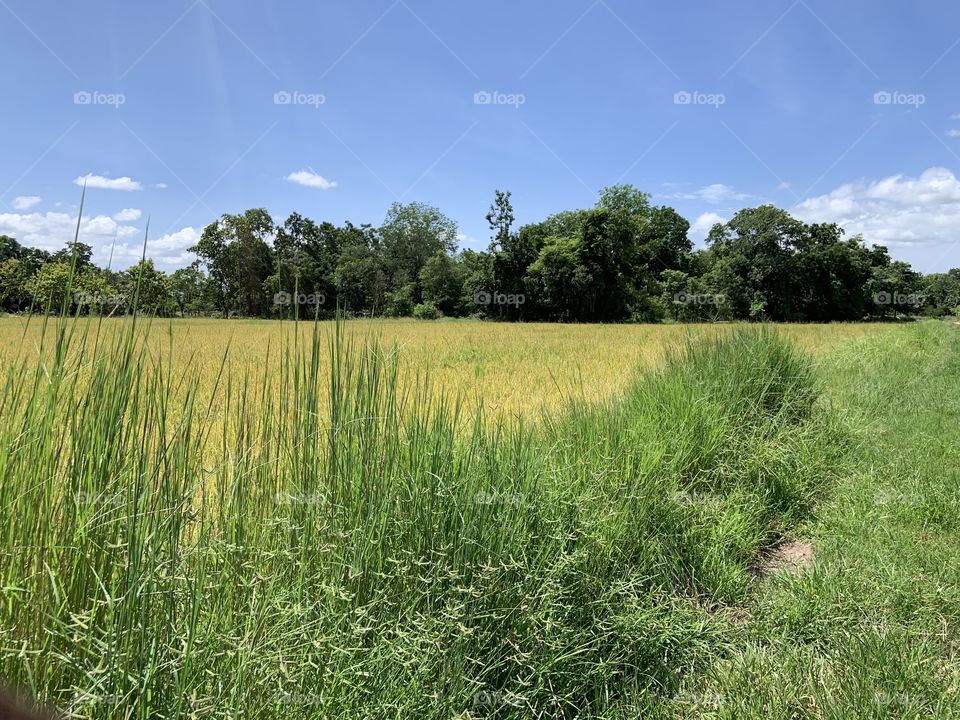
(623, 260)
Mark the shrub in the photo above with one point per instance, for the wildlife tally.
(426, 311)
(400, 301)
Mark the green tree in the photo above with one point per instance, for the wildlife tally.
(360, 279)
(500, 219)
(558, 281)
(236, 252)
(13, 285)
(10, 249)
(411, 234)
(187, 288)
(831, 275)
(50, 287)
(757, 246)
(942, 291)
(102, 292)
(664, 244)
(442, 281)
(149, 288)
(475, 269)
(211, 250)
(895, 289)
(306, 258)
(75, 252)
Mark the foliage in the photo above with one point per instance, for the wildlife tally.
(623, 260)
(427, 311)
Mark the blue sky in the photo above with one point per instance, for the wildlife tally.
(183, 110)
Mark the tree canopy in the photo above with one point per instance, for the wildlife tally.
(623, 260)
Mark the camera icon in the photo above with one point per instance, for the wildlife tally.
(282, 98)
(682, 98)
(882, 298)
(82, 98)
(482, 98)
(681, 298)
(882, 98)
(282, 298)
(483, 498)
(482, 298)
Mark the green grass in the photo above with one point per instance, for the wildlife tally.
(354, 553)
(874, 630)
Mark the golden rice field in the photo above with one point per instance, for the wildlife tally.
(512, 369)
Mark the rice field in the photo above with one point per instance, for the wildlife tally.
(513, 370)
(209, 519)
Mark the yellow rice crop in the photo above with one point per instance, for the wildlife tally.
(513, 369)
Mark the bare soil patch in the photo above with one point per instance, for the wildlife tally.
(790, 556)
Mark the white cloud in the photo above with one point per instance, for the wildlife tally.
(52, 230)
(714, 194)
(311, 179)
(105, 183)
(162, 186)
(465, 241)
(105, 234)
(955, 116)
(168, 252)
(896, 210)
(953, 133)
(25, 202)
(702, 225)
(128, 215)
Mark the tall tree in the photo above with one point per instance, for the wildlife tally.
(149, 287)
(360, 278)
(14, 276)
(50, 286)
(411, 234)
(236, 252)
(758, 245)
(187, 287)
